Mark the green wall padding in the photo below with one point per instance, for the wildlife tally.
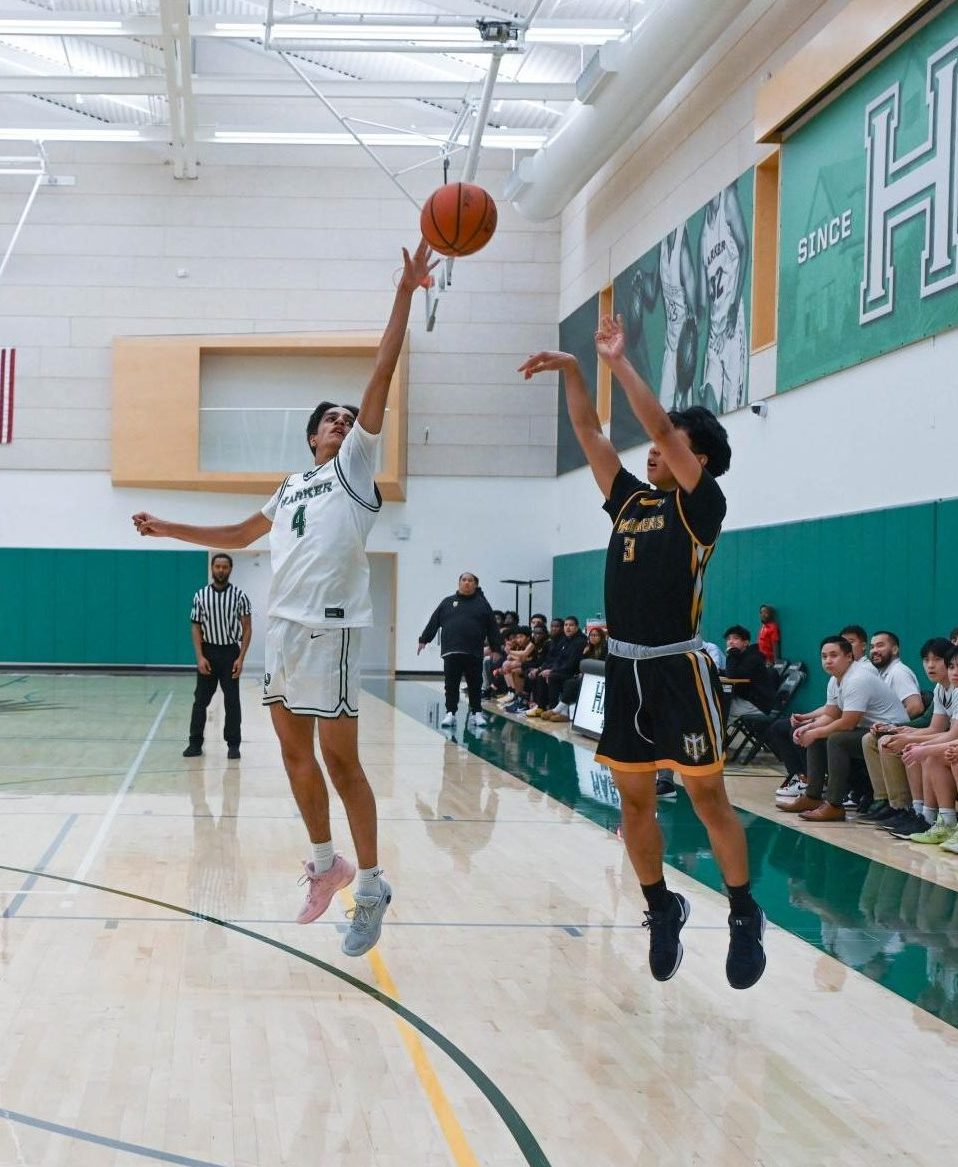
(889, 569)
(98, 607)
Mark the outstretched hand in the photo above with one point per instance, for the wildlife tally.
(416, 267)
(610, 338)
(546, 362)
(149, 524)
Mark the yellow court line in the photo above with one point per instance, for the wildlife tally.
(455, 1137)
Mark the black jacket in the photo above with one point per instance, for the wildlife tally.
(465, 623)
(749, 663)
(568, 654)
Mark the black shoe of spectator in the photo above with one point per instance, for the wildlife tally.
(885, 815)
(870, 813)
(192, 752)
(665, 788)
(746, 952)
(901, 818)
(665, 948)
(486, 694)
(917, 826)
(233, 753)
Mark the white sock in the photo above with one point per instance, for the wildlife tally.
(323, 856)
(949, 817)
(930, 815)
(368, 881)
(918, 806)
(562, 708)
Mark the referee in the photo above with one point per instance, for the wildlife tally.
(221, 628)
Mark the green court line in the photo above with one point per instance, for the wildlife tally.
(514, 1123)
(897, 929)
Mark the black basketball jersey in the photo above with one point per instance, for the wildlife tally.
(661, 542)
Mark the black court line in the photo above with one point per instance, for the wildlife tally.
(102, 1141)
(525, 1140)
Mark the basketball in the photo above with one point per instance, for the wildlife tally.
(458, 219)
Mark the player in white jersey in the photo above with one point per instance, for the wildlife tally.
(318, 523)
(724, 253)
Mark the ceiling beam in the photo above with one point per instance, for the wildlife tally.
(177, 59)
(264, 87)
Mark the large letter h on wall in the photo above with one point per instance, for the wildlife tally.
(924, 182)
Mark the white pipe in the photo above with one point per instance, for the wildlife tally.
(662, 50)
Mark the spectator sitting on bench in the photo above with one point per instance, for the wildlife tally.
(832, 734)
(754, 692)
(885, 656)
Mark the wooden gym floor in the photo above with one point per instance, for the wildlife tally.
(159, 1006)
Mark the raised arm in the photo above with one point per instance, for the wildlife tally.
(684, 464)
(599, 451)
(232, 535)
(416, 269)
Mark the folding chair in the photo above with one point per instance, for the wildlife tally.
(752, 727)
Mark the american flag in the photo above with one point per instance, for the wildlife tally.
(8, 362)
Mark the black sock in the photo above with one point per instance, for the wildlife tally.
(740, 900)
(657, 895)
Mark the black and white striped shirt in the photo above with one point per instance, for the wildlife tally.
(218, 613)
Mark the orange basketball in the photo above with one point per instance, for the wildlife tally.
(458, 219)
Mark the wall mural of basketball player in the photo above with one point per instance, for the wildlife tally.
(724, 256)
(686, 304)
(674, 277)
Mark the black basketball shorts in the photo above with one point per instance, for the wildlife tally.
(663, 713)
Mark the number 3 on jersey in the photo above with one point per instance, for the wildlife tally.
(298, 523)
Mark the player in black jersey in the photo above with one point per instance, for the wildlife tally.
(662, 696)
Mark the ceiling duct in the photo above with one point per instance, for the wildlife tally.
(645, 68)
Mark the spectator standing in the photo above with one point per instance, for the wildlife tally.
(769, 635)
(465, 621)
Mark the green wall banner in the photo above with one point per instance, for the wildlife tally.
(687, 306)
(869, 213)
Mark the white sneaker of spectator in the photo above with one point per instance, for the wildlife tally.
(791, 788)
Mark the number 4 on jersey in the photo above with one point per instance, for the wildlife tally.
(298, 523)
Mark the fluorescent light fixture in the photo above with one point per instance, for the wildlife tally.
(56, 27)
(491, 139)
(37, 134)
(556, 32)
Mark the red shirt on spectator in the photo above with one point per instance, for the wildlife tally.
(769, 639)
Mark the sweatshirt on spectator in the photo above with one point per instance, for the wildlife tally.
(465, 622)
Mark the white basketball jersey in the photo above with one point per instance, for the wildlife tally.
(321, 521)
(722, 259)
(946, 701)
(673, 294)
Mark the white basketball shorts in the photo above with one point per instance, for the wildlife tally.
(314, 673)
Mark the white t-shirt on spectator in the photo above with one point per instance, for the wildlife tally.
(865, 692)
(864, 663)
(902, 680)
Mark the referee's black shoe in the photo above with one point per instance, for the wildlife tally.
(233, 753)
(192, 751)
(665, 948)
(746, 952)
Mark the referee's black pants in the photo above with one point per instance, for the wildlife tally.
(222, 657)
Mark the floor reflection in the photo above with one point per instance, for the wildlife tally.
(893, 927)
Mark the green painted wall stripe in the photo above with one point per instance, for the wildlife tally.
(98, 607)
